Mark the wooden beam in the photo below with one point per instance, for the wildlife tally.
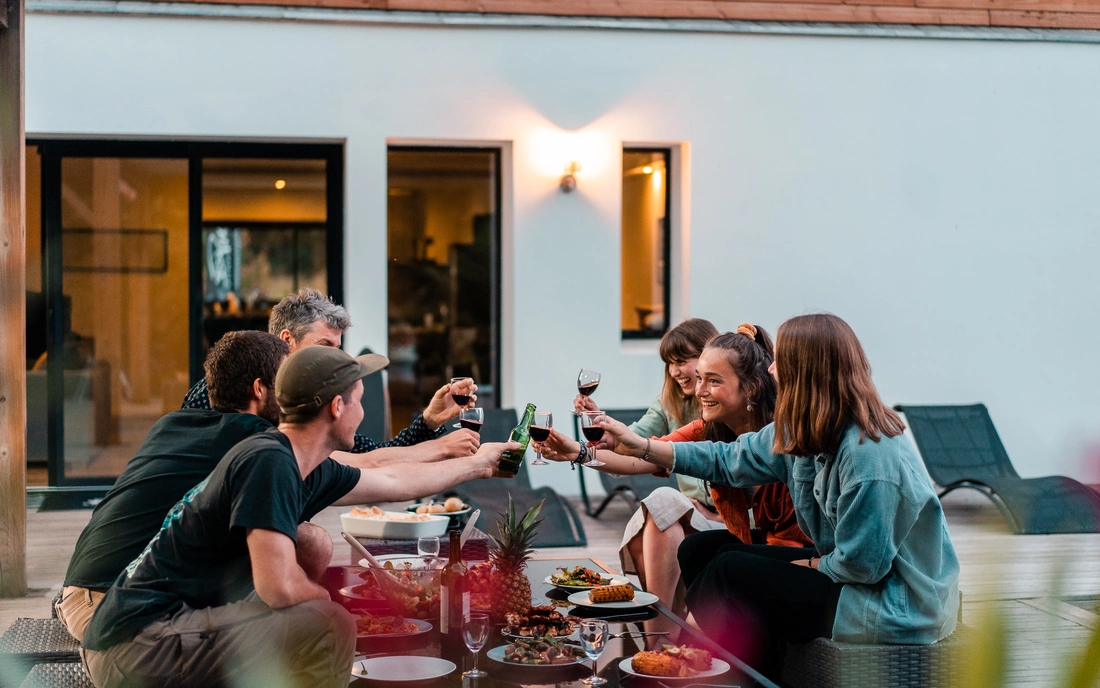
(13, 384)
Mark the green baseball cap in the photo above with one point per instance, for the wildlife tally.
(312, 377)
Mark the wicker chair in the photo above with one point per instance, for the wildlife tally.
(824, 663)
(58, 675)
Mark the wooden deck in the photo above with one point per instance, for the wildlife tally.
(1045, 586)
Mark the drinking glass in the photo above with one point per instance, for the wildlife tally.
(428, 547)
(460, 399)
(471, 419)
(594, 639)
(540, 432)
(587, 381)
(474, 633)
(593, 433)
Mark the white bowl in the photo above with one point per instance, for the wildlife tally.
(384, 529)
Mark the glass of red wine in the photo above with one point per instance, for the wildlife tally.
(540, 432)
(593, 433)
(460, 399)
(587, 381)
(471, 419)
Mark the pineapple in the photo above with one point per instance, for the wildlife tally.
(509, 555)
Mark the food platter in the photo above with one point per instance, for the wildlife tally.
(615, 580)
(421, 628)
(641, 599)
(717, 668)
(395, 642)
(497, 655)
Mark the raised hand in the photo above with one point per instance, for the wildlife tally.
(488, 455)
(583, 404)
(456, 444)
(558, 447)
(443, 408)
(619, 438)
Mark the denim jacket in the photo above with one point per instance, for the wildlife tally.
(874, 519)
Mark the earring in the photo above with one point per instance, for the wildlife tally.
(749, 407)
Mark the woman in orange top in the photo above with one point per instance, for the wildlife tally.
(736, 395)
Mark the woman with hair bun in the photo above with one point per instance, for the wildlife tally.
(883, 569)
(736, 395)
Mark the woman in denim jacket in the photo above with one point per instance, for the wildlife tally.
(885, 570)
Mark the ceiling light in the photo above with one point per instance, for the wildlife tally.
(648, 169)
(280, 184)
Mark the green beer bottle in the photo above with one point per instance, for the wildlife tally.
(510, 461)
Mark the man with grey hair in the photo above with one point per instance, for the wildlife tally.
(309, 318)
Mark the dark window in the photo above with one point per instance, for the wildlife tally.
(443, 220)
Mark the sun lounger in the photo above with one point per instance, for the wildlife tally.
(961, 448)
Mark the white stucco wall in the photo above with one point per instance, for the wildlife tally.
(939, 195)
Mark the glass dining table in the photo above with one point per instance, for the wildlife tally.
(613, 664)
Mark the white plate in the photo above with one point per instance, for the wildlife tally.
(615, 580)
(382, 529)
(497, 655)
(641, 599)
(406, 669)
(717, 668)
(421, 627)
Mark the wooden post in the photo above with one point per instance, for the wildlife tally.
(13, 268)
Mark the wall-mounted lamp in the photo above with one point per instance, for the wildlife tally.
(568, 181)
(280, 184)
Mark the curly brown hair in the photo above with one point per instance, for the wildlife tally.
(236, 361)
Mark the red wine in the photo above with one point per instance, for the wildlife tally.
(471, 425)
(593, 432)
(461, 399)
(539, 433)
(588, 389)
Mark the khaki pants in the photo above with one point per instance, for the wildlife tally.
(75, 609)
(242, 644)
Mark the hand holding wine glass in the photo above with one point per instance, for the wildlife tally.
(617, 437)
(540, 430)
(559, 447)
(472, 419)
(443, 406)
(593, 432)
(587, 382)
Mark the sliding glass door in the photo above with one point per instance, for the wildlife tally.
(150, 252)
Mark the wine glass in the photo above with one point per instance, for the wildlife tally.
(540, 432)
(460, 399)
(474, 633)
(471, 419)
(594, 639)
(593, 433)
(587, 381)
(428, 547)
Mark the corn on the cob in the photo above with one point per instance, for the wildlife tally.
(611, 593)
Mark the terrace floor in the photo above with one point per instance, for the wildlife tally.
(1045, 587)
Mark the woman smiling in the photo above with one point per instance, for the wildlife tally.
(884, 569)
(736, 395)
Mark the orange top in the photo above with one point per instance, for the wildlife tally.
(771, 504)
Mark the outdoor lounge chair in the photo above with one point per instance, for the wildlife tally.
(632, 488)
(561, 525)
(961, 448)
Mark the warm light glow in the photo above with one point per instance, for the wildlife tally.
(648, 169)
(552, 152)
(280, 184)
(657, 179)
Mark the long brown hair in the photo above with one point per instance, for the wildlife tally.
(750, 352)
(825, 386)
(682, 343)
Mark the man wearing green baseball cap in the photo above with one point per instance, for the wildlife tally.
(218, 594)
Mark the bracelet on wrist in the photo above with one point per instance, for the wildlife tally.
(582, 457)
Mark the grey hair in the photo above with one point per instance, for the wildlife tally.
(299, 312)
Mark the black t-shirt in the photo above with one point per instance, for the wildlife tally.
(180, 450)
(200, 556)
